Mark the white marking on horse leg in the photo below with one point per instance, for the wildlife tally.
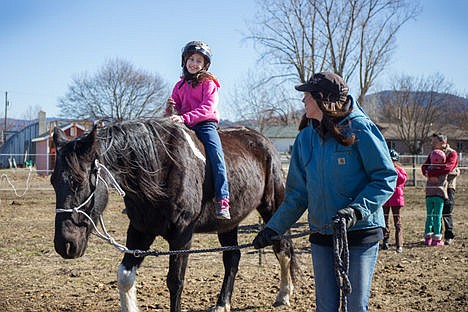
(226, 308)
(286, 285)
(194, 148)
(127, 289)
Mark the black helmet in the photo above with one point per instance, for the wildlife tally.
(394, 155)
(197, 47)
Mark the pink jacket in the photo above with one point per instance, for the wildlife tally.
(197, 104)
(398, 198)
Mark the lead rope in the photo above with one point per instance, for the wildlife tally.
(340, 241)
(341, 253)
(28, 183)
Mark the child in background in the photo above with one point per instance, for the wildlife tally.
(395, 203)
(194, 102)
(436, 194)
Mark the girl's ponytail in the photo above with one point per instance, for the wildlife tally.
(202, 75)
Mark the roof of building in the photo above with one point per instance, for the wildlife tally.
(63, 126)
(277, 132)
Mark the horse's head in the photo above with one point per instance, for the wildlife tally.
(81, 194)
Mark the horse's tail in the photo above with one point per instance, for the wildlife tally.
(273, 197)
(273, 194)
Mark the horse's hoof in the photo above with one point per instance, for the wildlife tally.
(278, 304)
(282, 303)
(226, 308)
(282, 299)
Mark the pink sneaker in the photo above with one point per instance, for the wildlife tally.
(222, 209)
(428, 239)
(437, 240)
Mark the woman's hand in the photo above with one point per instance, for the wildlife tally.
(264, 238)
(350, 216)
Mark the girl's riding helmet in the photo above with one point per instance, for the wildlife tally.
(394, 155)
(197, 47)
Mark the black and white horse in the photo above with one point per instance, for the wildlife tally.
(162, 169)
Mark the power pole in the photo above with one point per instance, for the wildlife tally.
(5, 121)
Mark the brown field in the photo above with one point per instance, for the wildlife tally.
(34, 278)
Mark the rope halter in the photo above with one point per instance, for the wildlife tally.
(78, 209)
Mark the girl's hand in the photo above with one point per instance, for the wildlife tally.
(169, 107)
(176, 118)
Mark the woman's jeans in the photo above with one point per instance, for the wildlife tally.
(362, 260)
(207, 133)
(447, 214)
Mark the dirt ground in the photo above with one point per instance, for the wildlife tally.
(34, 278)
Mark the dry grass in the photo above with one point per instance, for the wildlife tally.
(34, 278)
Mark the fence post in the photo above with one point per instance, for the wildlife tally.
(260, 251)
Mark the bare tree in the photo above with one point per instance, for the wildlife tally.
(31, 113)
(117, 91)
(457, 111)
(416, 107)
(353, 38)
(263, 104)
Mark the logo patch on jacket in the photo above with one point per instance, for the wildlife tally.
(341, 161)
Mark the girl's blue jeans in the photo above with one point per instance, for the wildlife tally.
(362, 260)
(207, 133)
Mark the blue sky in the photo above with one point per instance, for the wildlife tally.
(45, 43)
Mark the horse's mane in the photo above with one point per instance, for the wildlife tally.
(136, 150)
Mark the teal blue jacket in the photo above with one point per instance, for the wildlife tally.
(325, 176)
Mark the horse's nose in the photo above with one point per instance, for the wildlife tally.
(68, 240)
(64, 248)
(70, 249)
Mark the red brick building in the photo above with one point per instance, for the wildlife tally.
(45, 148)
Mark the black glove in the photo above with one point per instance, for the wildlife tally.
(264, 238)
(350, 215)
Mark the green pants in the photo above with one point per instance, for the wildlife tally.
(434, 207)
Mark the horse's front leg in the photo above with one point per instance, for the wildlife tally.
(231, 265)
(177, 267)
(126, 274)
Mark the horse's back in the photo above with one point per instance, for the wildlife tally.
(177, 165)
(236, 139)
(255, 174)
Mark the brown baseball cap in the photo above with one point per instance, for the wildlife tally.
(332, 86)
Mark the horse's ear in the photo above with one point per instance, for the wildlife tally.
(91, 136)
(85, 144)
(59, 137)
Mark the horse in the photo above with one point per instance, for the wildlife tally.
(161, 166)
